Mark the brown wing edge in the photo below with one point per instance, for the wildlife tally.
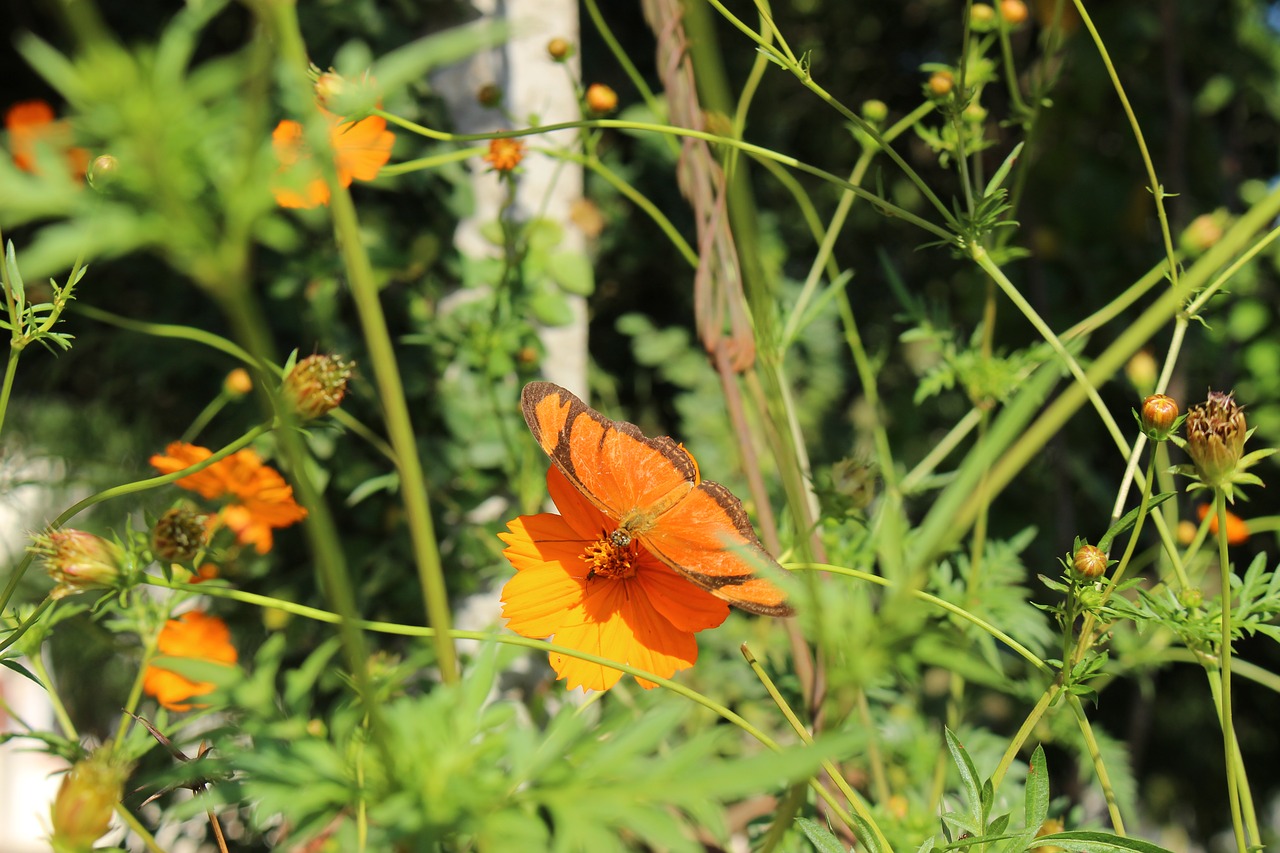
(535, 392)
(722, 587)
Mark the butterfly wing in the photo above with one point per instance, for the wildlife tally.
(708, 538)
(612, 463)
(697, 528)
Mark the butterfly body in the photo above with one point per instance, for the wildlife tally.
(653, 490)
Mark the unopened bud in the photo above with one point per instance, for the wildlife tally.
(237, 383)
(601, 99)
(982, 17)
(875, 111)
(87, 797)
(1142, 371)
(78, 561)
(103, 171)
(1159, 416)
(1191, 597)
(179, 535)
(489, 95)
(328, 86)
(559, 49)
(1089, 561)
(316, 385)
(941, 83)
(1014, 12)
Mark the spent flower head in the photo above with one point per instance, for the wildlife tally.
(179, 534)
(78, 561)
(1216, 435)
(316, 385)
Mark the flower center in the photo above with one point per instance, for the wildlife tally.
(611, 556)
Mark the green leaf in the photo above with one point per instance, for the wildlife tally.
(968, 775)
(997, 180)
(1036, 806)
(1095, 842)
(551, 308)
(573, 272)
(1127, 520)
(822, 839)
(15, 277)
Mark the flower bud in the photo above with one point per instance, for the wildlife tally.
(1051, 826)
(1185, 533)
(316, 385)
(1089, 561)
(328, 86)
(489, 95)
(559, 49)
(875, 111)
(78, 561)
(1014, 12)
(237, 383)
(1142, 371)
(1216, 432)
(601, 99)
(88, 795)
(982, 17)
(103, 171)
(1159, 416)
(940, 84)
(1191, 597)
(179, 535)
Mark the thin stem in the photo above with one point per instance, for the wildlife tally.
(668, 130)
(1224, 665)
(1246, 795)
(953, 609)
(138, 829)
(1099, 766)
(373, 324)
(983, 260)
(36, 659)
(1024, 732)
(915, 477)
(10, 371)
(803, 733)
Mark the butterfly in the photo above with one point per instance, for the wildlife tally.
(652, 489)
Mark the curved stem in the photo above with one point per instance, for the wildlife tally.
(1099, 766)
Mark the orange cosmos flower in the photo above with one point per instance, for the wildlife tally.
(192, 635)
(31, 125)
(1237, 528)
(260, 498)
(361, 149)
(504, 154)
(640, 613)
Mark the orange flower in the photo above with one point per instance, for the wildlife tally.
(1237, 528)
(361, 149)
(504, 154)
(192, 635)
(31, 125)
(641, 613)
(260, 498)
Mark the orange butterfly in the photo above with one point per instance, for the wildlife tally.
(652, 489)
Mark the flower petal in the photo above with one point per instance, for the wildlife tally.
(685, 605)
(578, 512)
(546, 591)
(362, 148)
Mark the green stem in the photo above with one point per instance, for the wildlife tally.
(953, 609)
(1224, 658)
(1156, 189)
(798, 727)
(164, 330)
(668, 130)
(1099, 766)
(16, 633)
(635, 196)
(1024, 732)
(628, 67)
(1246, 795)
(373, 324)
(36, 660)
(135, 691)
(207, 414)
(131, 821)
(10, 371)
(983, 260)
(422, 164)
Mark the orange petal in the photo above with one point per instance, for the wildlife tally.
(1237, 527)
(248, 530)
(362, 148)
(178, 455)
(579, 513)
(686, 606)
(298, 183)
